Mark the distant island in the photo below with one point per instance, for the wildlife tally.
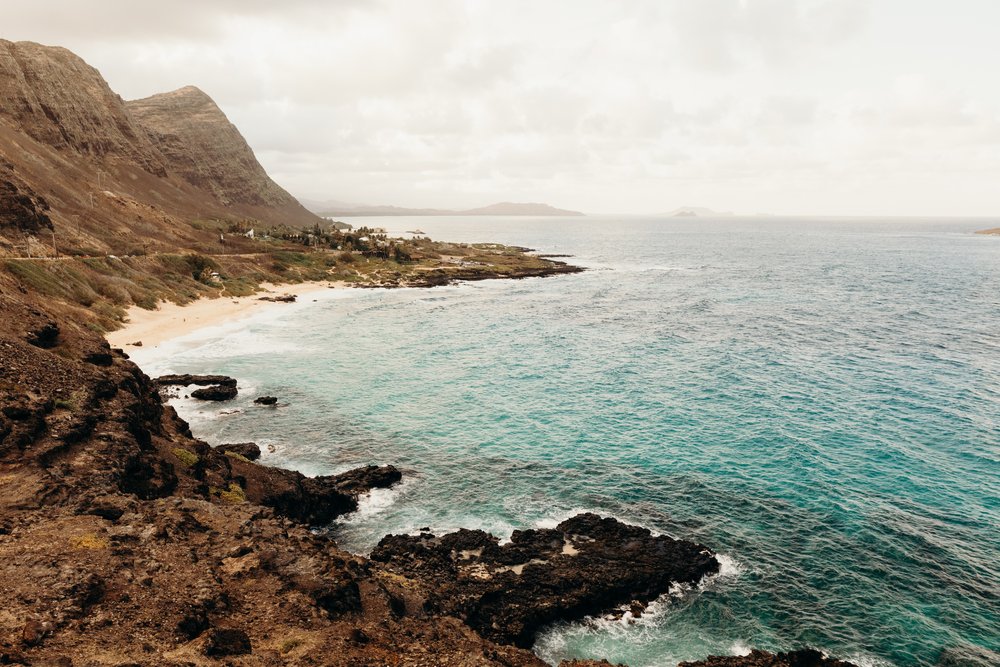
(995, 231)
(334, 208)
(697, 212)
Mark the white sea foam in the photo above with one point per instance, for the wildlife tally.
(377, 501)
(864, 660)
(739, 648)
(729, 568)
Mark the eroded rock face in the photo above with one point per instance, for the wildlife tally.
(802, 658)
(20, 207)
(58, 99)
(201, 145)
(586, 565)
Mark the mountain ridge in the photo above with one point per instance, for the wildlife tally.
(112, 174)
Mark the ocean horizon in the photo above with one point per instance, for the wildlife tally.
(816, 400)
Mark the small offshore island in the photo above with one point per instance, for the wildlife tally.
(125, 539)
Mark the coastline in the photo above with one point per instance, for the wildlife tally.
(170, 320)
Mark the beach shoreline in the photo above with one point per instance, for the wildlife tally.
(152, 328)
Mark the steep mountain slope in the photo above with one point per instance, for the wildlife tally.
(203, 147)
(114, 180)
(53, 96)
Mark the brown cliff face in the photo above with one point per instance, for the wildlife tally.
(73, 142)
(56, 98)
(203, 147)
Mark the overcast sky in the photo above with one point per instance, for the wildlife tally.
(885, 107)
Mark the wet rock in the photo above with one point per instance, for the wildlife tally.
(227, 641)
(286, 298)
(362, 480)
(215, 393)
(248, 450)
(586, 565)
(266, 400)
(756, 658)
(312, 500)
(185, 379)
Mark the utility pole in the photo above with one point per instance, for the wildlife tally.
(54, 250)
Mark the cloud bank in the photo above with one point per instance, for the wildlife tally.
(783, 106)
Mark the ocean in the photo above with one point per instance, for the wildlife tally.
(817, 400)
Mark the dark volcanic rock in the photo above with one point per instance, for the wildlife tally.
(45, 336)
(362, 480)
(266, 400)
(215, 393)
(202, 380)
(227, 641)
(22, 209)
(248, 450)
(312, 500)
(803, 658)
(286, 298)
(586, 565)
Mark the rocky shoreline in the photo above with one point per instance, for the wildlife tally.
(125, 540)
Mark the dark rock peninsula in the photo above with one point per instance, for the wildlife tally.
(201, 380)
(586, 565)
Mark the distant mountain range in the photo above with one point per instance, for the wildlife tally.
(334, 208)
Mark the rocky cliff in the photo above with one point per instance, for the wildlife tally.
(202, 146)
(56, 98)
(105, 167)
(125, 540)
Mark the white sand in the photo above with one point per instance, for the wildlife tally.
(153, 327)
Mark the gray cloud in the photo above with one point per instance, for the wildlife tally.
(839, 106)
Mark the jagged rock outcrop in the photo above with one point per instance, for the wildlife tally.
(202, 146)
(122, 538)
(802, 658)
(248, 450)
(586, 565)
(20, 207)
(215, 393)
(186, 379)
(55, 97)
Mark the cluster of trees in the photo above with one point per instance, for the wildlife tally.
(364, 240)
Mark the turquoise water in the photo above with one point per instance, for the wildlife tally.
(818, 401)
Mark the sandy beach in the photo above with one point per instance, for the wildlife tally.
(169, 320)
